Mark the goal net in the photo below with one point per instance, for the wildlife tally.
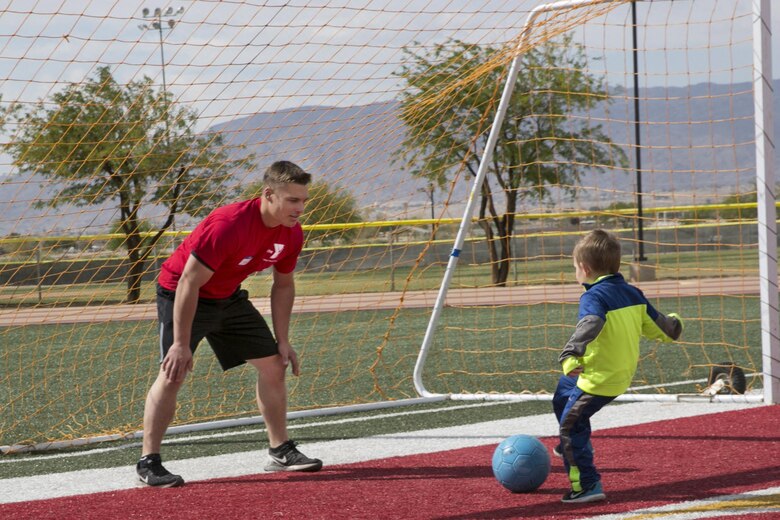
(122, 129)
(643, 143)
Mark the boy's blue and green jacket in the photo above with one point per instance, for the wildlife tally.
(613, 316)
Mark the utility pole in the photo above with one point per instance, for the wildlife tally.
(430, 191)
(640, 254)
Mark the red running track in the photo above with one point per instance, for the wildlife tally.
(646, 465)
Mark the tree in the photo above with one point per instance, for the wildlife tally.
(146, 228)
(542, 149)
(326, 205)
(733, 214)
(101, 141)
(624, 220)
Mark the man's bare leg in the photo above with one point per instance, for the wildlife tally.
(271, 394)
(158, 414)
(272, 402)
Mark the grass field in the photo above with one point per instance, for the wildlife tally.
(549, 270)
(76, 380)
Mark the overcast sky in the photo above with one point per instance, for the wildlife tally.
(233, 58)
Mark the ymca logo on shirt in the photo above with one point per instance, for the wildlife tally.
(274, 253)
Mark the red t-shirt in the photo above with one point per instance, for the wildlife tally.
(233, 242)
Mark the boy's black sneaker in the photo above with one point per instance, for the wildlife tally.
(594, 493)
(286, 457)
(152, 473)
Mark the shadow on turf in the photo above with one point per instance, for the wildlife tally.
(629, 499)
(617, 500)
(347, 473)
(698, 439)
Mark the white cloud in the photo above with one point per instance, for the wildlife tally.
(232, 58)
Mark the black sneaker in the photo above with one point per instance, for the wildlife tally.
(152, 473)
(286, 457)
(594, 493)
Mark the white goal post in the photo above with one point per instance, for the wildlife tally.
(765, 185)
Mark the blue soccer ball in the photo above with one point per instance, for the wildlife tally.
(521, 463)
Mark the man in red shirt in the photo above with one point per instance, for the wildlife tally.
(199, 296)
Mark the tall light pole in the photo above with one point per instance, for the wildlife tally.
(156, 23)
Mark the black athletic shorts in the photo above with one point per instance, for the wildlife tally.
(233, 327)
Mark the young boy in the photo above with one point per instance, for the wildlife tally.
(600, 358)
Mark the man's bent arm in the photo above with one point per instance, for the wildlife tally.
(178, 361)
(282, 299)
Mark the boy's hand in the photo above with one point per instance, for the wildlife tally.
(678, 318)
(574, 373)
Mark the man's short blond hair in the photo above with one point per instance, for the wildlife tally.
(285, 172)
(600, 251)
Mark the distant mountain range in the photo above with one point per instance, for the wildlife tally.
(697, 145)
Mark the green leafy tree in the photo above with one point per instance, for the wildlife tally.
(621, 219)
(101, 141)
(734, 214)
(146, 228)
(451, 96)
(18, 245)
(326, 205)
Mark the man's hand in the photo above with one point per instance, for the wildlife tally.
(177, 362)
(574, 373)
(289, 357)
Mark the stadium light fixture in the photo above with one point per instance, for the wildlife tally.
(156, 24)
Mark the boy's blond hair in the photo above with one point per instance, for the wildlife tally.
(600, 251)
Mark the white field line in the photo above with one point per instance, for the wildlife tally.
(237, 433)
(762, 501)
(347, 451)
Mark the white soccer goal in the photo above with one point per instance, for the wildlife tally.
(766, 221)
